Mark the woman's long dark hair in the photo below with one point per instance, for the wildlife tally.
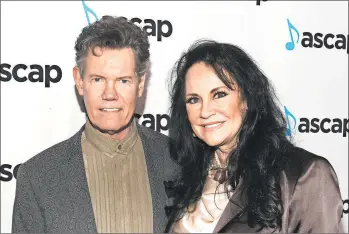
(260, 153)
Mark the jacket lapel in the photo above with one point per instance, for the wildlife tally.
(155, 168)
(78, 188)
(235, 207)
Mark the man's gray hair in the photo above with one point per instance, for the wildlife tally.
(113, 33)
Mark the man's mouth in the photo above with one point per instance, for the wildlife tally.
(110, 109)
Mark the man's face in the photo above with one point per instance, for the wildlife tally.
(110, 88)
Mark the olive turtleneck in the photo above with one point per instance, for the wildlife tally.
(118, 181)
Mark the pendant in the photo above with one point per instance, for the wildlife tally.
(221, 175)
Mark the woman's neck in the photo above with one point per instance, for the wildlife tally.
(222, 157)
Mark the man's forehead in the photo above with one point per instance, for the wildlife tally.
(99, 51)
(112, 57)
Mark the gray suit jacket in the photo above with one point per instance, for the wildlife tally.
(52, 193)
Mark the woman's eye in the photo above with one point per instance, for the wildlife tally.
(192, 100)
(220, 94)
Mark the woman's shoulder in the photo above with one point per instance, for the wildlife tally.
(302, 160)
(302, 163)
(311, 193)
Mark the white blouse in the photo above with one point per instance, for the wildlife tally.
(207, 211)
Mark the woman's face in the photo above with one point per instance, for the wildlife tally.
(215, 112)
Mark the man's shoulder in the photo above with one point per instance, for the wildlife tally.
(53, 156)
(153, 135)
(160, 144)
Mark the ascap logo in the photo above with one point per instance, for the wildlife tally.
(317, 40)
(6, 172)
(33, 73)
(315, 125)
(158, 122)
(155, 28)
(258, 2)
(346, 206)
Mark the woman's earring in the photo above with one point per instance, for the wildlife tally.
(244, 109)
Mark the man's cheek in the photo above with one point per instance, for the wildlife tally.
(128, 98)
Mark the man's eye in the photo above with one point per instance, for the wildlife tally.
(124, 81)
(97, 79)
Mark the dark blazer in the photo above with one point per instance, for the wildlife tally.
(310, 196)
(52, 193)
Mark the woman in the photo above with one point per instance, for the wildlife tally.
(239, 171)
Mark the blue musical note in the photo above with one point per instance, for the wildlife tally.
(289, 114)
(290, 45)
(88, 10)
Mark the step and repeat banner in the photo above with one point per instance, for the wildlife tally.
(301, 46)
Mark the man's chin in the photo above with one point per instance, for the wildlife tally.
(111, 130)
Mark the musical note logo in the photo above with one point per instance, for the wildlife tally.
(290, 45)
(289, 128)
(87, 11)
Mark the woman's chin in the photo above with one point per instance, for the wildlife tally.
(213, 142)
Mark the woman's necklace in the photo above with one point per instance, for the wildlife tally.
(220, 174)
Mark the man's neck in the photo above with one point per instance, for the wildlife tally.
(118, 135)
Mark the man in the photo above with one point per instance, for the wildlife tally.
(108, 177)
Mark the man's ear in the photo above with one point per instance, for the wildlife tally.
(79, 83)
(141, 85)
